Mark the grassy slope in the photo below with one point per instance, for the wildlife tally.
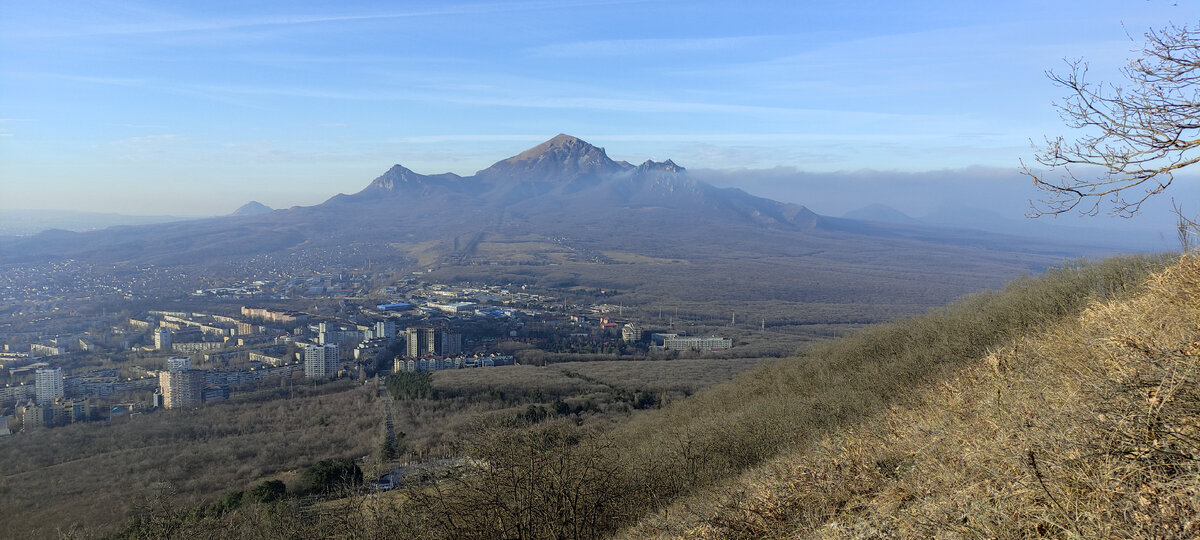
(658, 471)
(1088, 427)
(967, 420)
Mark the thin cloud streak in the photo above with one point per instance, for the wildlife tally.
(619, 47)
(160, 27)
(533, 101)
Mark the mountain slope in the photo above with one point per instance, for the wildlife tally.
(950, 217)
(30, 222)
(562, 215)
(1087, 427)
(916, 428)
(881, 213)
(1065, 405)
(563, 187)
(562, 160)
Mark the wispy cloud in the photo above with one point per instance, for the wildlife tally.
(7, 123)
(436, 139)
(186, 24)
(908, 61)
(142, 147)
(623, 47)
(528, 97)
(765, 138)
(113, 81)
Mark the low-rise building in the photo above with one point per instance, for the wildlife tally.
(451, 362)
(266, 360)
(675, 342)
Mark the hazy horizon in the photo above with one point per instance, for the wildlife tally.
(983, 194)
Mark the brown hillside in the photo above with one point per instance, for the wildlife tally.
(1087, 429)
(978, 419)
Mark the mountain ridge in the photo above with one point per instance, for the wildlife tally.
(542, 226)
(566, 171)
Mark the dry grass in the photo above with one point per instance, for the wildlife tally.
(679, 376)
(981, 419)
(626, 257)
(89, 475)
(1087, 429)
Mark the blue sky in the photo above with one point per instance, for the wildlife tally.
(193, 108)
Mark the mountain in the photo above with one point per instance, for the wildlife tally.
(1004, 415)
(28, 222)
(880, 212)
(252, 208)
(562, 159)
(564, 214)
(952, 216)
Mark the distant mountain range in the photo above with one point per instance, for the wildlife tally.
(566, 177)
(27, 222)
(970, 218)
(564, 212)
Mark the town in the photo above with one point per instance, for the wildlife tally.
(58, 366)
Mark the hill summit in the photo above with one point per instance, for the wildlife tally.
(561, 159)
(252, 208)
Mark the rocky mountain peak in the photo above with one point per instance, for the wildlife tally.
(560, 145)
(562, 158)
(394, 178)
(665, 166)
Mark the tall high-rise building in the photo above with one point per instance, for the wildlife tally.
(162, 339)
(48, 385)
(421, 341)
(320, 360)
(431, 341)
(450, 344)
(181, 388)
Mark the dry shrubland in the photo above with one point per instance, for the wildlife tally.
(1087, 428)
(157, 469)
(87, 476)
(1062, 405)
(679, 471)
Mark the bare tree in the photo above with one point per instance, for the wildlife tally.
(1136, 135)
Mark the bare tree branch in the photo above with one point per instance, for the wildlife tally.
(1134, 136)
